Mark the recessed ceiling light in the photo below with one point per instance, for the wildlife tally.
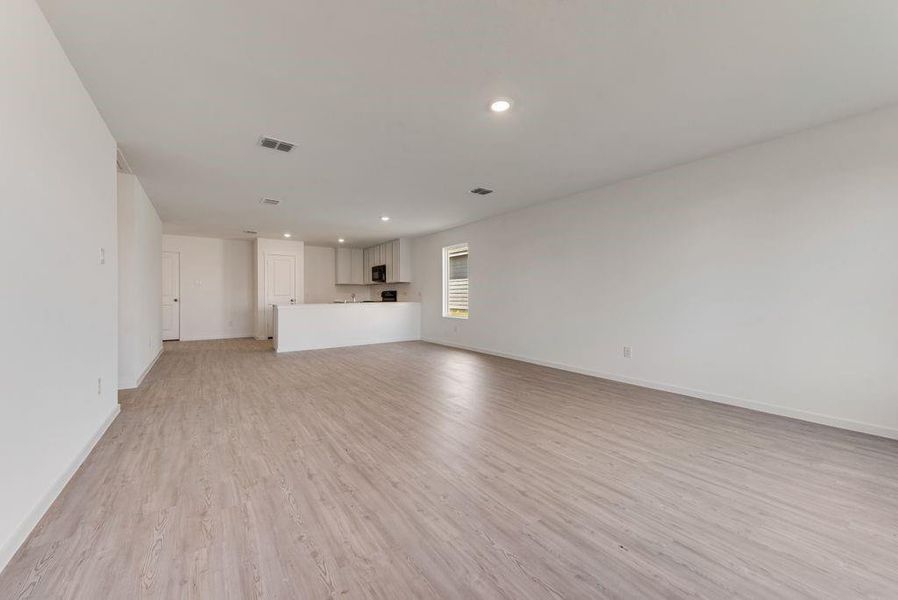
(385, 218)
(341, 240)
(500, 105)
(287, 234)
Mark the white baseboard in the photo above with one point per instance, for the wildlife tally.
(775, 409)
(216, 336)
(129, 385)
(11, 546)
(150, 366)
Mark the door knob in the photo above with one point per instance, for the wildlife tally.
(176, 299)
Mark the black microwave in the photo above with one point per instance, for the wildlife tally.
(379, 274)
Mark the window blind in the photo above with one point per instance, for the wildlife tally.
(458, 282)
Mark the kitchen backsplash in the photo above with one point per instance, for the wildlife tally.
(403, 291)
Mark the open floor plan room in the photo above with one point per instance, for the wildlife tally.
(441, 299)
(418, 471)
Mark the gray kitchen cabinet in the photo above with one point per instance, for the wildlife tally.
(395, 255)
(350, 266)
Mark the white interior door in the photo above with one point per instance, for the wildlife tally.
(171, 290)
(280, 284)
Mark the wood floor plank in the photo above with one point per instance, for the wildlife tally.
(416, 471)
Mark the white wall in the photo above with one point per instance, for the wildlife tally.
(217, 283)
(139, 282)
(262, 248)
(765, 277)
(58, 304)
(321, 275)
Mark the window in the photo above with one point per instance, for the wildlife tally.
(455, 281)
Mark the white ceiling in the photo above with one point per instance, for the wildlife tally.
(388, 99)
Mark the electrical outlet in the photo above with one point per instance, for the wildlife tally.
(99, 385)
(628, 352)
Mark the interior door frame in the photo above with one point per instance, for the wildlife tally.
(268, 312)
(177, 300)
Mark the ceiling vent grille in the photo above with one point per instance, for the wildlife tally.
(481, 191)
(270, 201)
(275, 144)
(250, 232)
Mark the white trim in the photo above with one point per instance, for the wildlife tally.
(151, 365)
(217, 336)
(12, 545)
(446, 251)
(774, 409)
(145, 372)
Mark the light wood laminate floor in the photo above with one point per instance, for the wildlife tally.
(416, 471)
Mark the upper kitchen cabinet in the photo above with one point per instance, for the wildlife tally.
(357, 267)
(400, 260)
(367, 262)
(396, 256)
(388, 252)
(350, 266)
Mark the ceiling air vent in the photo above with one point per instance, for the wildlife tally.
(275, 144)
(270, 201)
(250, 232)
(481, 191)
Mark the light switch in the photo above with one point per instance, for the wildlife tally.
(102, 256)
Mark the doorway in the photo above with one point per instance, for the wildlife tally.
(280, 285)
(171, 290)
